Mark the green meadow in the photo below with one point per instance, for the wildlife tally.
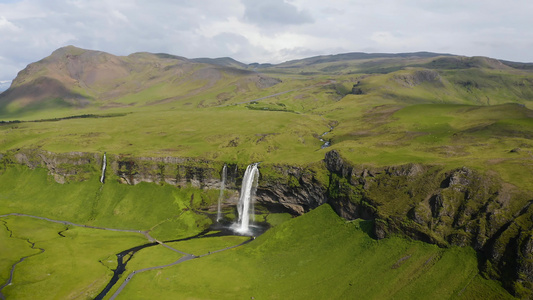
(451, 135)
(303, 259)
(447, 112)
(73, 266)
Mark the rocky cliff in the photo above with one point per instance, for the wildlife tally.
(459, 207)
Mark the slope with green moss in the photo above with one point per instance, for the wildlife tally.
(303, 258)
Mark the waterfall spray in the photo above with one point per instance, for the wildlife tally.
(245, 205)
(221, 195)
(104, 162)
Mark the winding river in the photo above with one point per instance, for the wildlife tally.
(221, 230)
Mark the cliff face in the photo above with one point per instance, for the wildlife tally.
(281, 188)
(459, 207)
(294, 189)
(446, 207)
(73, 166)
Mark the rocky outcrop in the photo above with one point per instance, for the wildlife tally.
(281, 187)
(356, 89)
(72, 166)
(418, 77)
(171, 170)
(460, 207)
(293, 189)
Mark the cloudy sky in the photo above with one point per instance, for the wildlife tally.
(263, 31)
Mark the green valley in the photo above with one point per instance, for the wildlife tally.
(381, 176)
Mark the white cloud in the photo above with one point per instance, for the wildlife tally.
(263, 30)
(4, 85)
(274, 12)
(393, 42)
(119, 16)
(6, 25)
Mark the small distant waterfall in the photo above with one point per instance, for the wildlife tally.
(326, 143)
(104, 163)
(245, 205)
(222, 187)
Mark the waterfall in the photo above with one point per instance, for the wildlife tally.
(245, 205)
(104, 162)
(222, 186)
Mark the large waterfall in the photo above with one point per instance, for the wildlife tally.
(104, 162)
(245, 205)
(221, 195)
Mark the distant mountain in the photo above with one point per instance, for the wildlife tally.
(518, 65)
(222, 61)
(356, 56)
(74, 78)
(77, 78)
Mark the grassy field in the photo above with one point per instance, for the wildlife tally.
(74, 265)
(480, 137)
(111, 205)
(389, 134)
(303, 259)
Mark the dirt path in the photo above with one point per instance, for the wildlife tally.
(151, 239)
(183, 259)
(186, 257)
(72, 224)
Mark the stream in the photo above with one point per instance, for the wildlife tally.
(327, 143)
(221, 229)
(121, 263)
(12, 272)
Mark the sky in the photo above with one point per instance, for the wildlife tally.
(263, 31)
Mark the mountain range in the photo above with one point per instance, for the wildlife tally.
(74, 78)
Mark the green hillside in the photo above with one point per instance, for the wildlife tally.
(318, 255)
(379, 111)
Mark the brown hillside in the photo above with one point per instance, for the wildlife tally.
(77, 77)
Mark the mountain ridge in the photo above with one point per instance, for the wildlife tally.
(76, 78)
(79, 77)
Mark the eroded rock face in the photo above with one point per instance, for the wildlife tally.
(171, 170)
(418, 77)
(459, 207)
(63, 167)
(295, 189)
